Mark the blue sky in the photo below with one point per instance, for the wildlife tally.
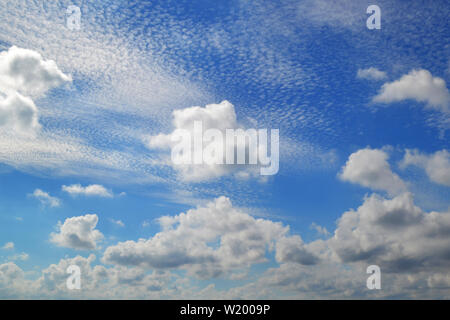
(364, 122)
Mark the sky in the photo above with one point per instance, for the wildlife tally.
(88, 116)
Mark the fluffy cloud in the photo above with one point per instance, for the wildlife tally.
(78, 233)
(45, 198)
(371, 74)
(369, 168)
(207, 241)
(436, 165)
(25, 71)
(97, 282)
(8, 246)
(18, 113)
(12, 281)
(394, 234)
(213, 116)
(24, 74)
(90, 190)
(292, 249)
(418, 85)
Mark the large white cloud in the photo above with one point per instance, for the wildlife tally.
(369, 168)
(207, 241)
(436, 165)
(78, 233)
(25, 74)
(26, 71)
(394, 234)
(220, 116)
(419, 85)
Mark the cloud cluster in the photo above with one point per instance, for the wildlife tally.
(220, 116)
(78, 233)
(208, 241)
(394, 234)
(25, 74)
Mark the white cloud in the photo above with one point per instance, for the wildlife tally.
(78, 233)
(117, 222)
(19, 257)
(394, 234)
(18, 113)
(207, 241)
(25, 71)
(90, 190)
(436, 165)
(371, 74)
(292, 249)
(8, 246)
(369, 168)
(45, 198)
(417, 85)
(213, 116)
(24, 74)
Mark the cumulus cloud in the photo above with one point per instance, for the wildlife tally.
(8, 246)
(207, 241)
(78, 233)
(26, 71)
(18, 113)
(97, 282)
(371, 74)
(45, 198)
(369, 168)
(25, 74)
(417, 85)
(394, 234)
(90, 190)
(436, 165)
(213, 116)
